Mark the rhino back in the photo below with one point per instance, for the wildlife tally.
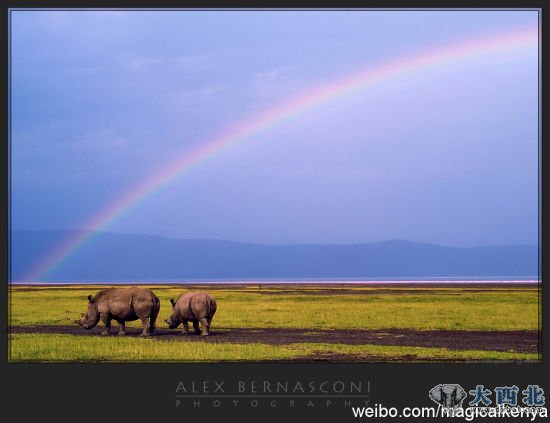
(193, 305)
(145, 303)
(127, 303)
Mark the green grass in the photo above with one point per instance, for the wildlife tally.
(303, 307)
(72, 348)
(445, 308)
(41, 347)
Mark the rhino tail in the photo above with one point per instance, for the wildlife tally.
(211, 307)
(156, 306)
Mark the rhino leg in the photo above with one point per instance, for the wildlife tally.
(146, 327)
(205, 327)
(107, 322)
(196, 327)
(121, 328)
(185, 327)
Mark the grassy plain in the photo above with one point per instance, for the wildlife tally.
(324, 308)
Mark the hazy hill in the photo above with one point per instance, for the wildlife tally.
(124, 257)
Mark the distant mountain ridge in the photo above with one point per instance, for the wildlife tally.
(125, 257)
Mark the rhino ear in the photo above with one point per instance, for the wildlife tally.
(172, 302)
(90, 298)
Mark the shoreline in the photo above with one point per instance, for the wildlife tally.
(275, 284)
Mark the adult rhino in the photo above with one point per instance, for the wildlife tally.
(122, 305)
(192, 307)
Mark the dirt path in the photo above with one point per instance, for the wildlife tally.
(518, 341)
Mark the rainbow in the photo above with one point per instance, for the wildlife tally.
(301, 103)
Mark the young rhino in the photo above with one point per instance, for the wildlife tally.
(122, 305)
(192, 307)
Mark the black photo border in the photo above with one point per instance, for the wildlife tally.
(146, 391)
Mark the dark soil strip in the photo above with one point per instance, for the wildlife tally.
(407, 358)
(376, 291)
(299, 288)
(517, 341)
(336, 291)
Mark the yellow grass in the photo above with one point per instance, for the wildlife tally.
(303, 307)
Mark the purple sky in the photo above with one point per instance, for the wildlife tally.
(102, 100)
